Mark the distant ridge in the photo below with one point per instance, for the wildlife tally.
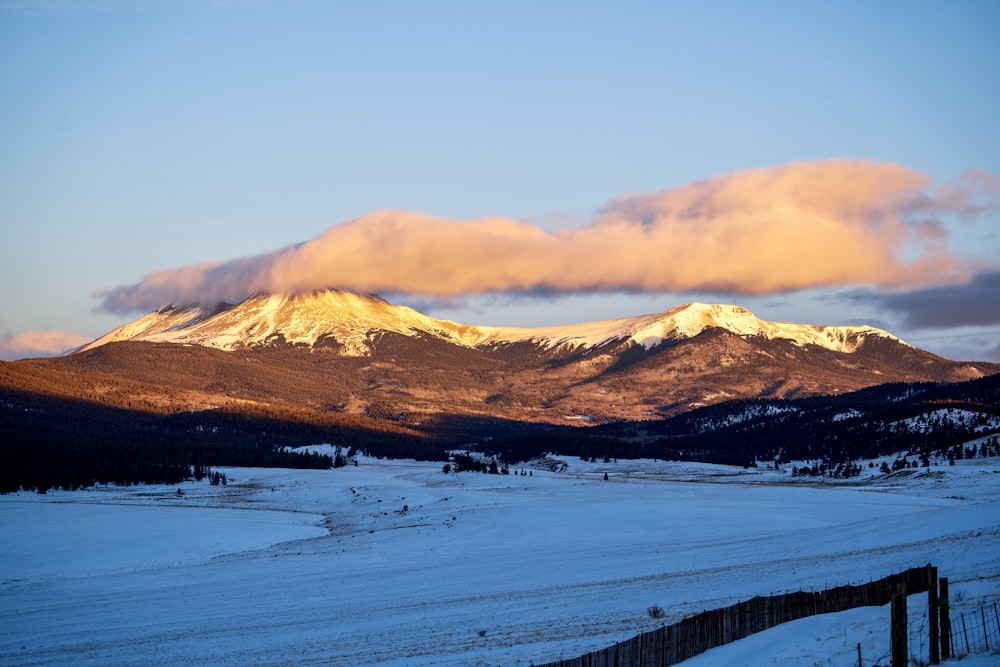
(353, 320)
(353, 354)
(239, 384)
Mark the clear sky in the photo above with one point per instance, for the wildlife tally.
(509, 163)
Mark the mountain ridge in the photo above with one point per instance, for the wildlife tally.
(351, 319)
(364, 374)
(360, 354)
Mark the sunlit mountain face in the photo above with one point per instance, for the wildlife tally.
(359, 354)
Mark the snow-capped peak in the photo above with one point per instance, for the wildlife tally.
(345, 316)
(166, 319)
(684, 321)
(691, 319)
(352, 319)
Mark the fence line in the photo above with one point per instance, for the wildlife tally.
(976, 631)
(696, 634)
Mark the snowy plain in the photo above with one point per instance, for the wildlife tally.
(398, 563)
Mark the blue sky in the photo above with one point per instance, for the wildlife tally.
(138, 137)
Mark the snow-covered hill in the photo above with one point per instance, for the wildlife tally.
(354, 320)
(684, 321)
(305, 350)
(396, 563)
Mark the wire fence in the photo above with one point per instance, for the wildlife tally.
(976, 631)
(972, 630)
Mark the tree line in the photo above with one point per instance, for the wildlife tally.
(49, 442)
(50, 439)
(921, 419)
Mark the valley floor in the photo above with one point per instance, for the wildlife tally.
(397, 563)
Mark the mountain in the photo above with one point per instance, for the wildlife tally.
(238, 384)
(360, 354)
(316, 319)
(354, 321)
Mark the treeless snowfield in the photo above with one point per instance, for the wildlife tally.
(396, 563)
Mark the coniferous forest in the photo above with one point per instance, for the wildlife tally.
(57, 442)
(59, 430)
(922, 420)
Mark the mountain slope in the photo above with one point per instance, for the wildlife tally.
(913, 421)
(238, 384)
(352, 320)
(271, 320)
(362, 355)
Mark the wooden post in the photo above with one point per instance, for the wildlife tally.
(860, 664)
(986, 635)
(932, 614)
(965, 633)
(945, 617)
(899, 646)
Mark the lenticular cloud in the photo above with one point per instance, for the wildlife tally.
(798, 226)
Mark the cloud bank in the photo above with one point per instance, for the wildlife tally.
(832, 223)
(975, 303)
(38, 344)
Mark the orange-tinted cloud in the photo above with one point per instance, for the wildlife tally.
(803, 225)
(39, 344)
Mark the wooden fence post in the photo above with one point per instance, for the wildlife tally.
(945, 617)
(932, 614)
(965, 634)
(899, 644)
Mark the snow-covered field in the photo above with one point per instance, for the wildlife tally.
(397, 563)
